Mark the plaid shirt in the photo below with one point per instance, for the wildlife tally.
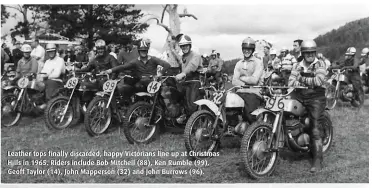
(318, 68)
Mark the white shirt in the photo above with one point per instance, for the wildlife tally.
(54, 68)
(114, 54)
(39, 52)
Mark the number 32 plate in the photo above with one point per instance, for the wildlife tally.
(153, 87)
(109, 85)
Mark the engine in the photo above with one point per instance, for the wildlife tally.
(346, 93)
(297, 133)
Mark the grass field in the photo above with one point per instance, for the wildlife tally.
(346, 162)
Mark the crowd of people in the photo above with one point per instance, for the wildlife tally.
(137, 61)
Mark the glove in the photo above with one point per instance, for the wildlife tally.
(180, 76)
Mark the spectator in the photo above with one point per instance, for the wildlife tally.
(297, 50)
(4, 59)
(38, 53)
(266, 57)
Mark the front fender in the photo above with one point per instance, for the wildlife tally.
(102, 93)
(143, 94)
(260, 111)
(213, 107)
(9, 87)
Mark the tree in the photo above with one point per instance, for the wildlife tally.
(112, 23)
(4, 14)
(173, 30)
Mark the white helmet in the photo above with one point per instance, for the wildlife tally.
(51, 47)
(350, 51)
(185, 40)
(204, 55)
(100, 43)
(365, 51)
(272, 52)
(26, 48)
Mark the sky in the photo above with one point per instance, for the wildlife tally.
(223, 26)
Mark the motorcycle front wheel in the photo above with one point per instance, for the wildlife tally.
(258, 161)
(97, 118)
(8, 116)
(199, 134)
(136, 123)
(327, 131)
(53, 114)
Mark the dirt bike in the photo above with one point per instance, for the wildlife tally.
(145, 120)
(66, 110)
(273, 77)
(339, 88)
(282, 123)
(109, 104)
(220, 117)
(23, 100)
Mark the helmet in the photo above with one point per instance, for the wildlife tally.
(51, 47)
(69, 49)
(204, 55)
(78, 48)
(185, 40)
(144, 45)
(26, 48)
(100, 43)
(214, 53)
(249, 43)
(308, 46)
(350, 51)
(365, 52)
(272, 52)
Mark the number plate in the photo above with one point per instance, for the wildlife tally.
(159, 69)
(23, 82)
(109, 85)
(275, 104)
(217, 96)
(71, 83)
(153, 87)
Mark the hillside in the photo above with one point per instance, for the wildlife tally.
(333, 44)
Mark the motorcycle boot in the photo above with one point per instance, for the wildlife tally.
(317, 152)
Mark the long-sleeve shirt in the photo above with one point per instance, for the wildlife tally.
(101, 63)
(39, 54)
(148, 68)
(318, 68)
(190, 64)
(54, 68)
(26, 66)
(126, 57)
(248, 72)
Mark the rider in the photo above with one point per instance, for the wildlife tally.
(274, 60)
(144, 66)
(191, 63)
(311, 73)
(364, 66)
(27, 64)
(248, 72)
(351, 65)
(215, 67)
(53, 68)
(205, 60)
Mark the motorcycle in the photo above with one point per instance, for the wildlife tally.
(273, 77)
(108, 104)
(282, 123)
(340, 88)
(220, 117)
(144, 120)
(25, 98)
(67, 110)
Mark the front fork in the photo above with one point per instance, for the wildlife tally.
(21, 99)
(66, 107)
(277, 128)
(153, 108)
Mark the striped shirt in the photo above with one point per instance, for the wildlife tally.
(318, 68)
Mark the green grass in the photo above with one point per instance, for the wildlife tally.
(346, 162)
